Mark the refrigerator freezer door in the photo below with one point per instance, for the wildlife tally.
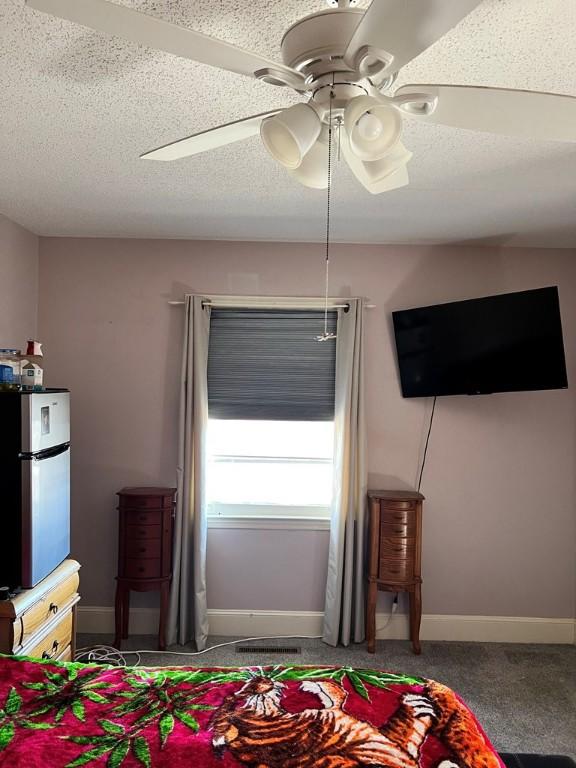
(45, 515)
(45, 420)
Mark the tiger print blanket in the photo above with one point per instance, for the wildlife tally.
(64, 715)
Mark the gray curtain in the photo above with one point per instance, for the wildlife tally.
(187, 617)
(345, 592)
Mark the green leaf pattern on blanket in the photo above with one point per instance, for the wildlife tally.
(12, 717)
(7, 731)
(141, 751)
(13, 703)
(357, 677)
(60, 693)
(155, 698)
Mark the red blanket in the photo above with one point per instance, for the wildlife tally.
(56, 715)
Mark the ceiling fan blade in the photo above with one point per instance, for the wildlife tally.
(399, 31)
(210, 139)
(529, 114)
(121, 21)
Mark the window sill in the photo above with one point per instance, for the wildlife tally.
(270, 523)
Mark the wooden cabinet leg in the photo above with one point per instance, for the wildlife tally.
(164, 596)
(118, 606)
(371, 616)
(415, 617)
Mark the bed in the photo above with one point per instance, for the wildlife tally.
(65, 715)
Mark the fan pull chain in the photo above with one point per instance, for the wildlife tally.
(326, 335)
(339, 124)
(328, 206)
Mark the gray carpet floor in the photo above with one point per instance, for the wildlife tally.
(523, 695)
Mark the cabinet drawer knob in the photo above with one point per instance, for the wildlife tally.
(53, 608)
(49, 655)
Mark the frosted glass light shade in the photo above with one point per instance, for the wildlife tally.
(313, 170)
(289, 135)
(379, 175)
(395, 180)
(379, 170)
(373, 128)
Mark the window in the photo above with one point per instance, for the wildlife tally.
(270, 468)
(271, 414)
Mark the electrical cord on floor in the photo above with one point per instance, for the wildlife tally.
(107, 654)
(393, 610)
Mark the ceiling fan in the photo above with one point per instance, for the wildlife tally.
(344, 62)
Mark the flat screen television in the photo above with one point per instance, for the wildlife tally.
(507, 343)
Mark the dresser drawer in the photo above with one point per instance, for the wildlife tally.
(66, 654)
(405, 516)
(143, 548)
(397, 504)
(56, 639)
(50, 605)
(394, 547)
(144, 531)
(147, 517)
(143, 569)
(145, 502)
(394, 530)
(396, 570)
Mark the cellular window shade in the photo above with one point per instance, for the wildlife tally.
(267, 364)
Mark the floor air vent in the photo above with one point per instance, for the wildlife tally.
(268, 649)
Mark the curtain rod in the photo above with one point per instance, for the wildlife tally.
(274, 301)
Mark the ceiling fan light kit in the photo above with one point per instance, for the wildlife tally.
(378, 171)
(312, 170)
(379, 176)
(390, 182)
(290, 135)
(374, 128)
(345, 61)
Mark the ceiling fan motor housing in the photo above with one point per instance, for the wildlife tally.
(341, 3)
(315, 45)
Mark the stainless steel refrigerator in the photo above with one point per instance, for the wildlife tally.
(35, 484)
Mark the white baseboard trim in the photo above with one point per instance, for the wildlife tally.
(483, 629)
(265, 623)
(246, 623)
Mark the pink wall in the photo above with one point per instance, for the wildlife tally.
(18, 284)
(499, 531)
(267, 570)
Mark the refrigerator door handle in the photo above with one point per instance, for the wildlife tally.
(47, 453)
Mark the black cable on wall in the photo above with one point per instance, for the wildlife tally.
(426, 446)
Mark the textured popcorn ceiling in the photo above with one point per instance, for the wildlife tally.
(77, 109)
